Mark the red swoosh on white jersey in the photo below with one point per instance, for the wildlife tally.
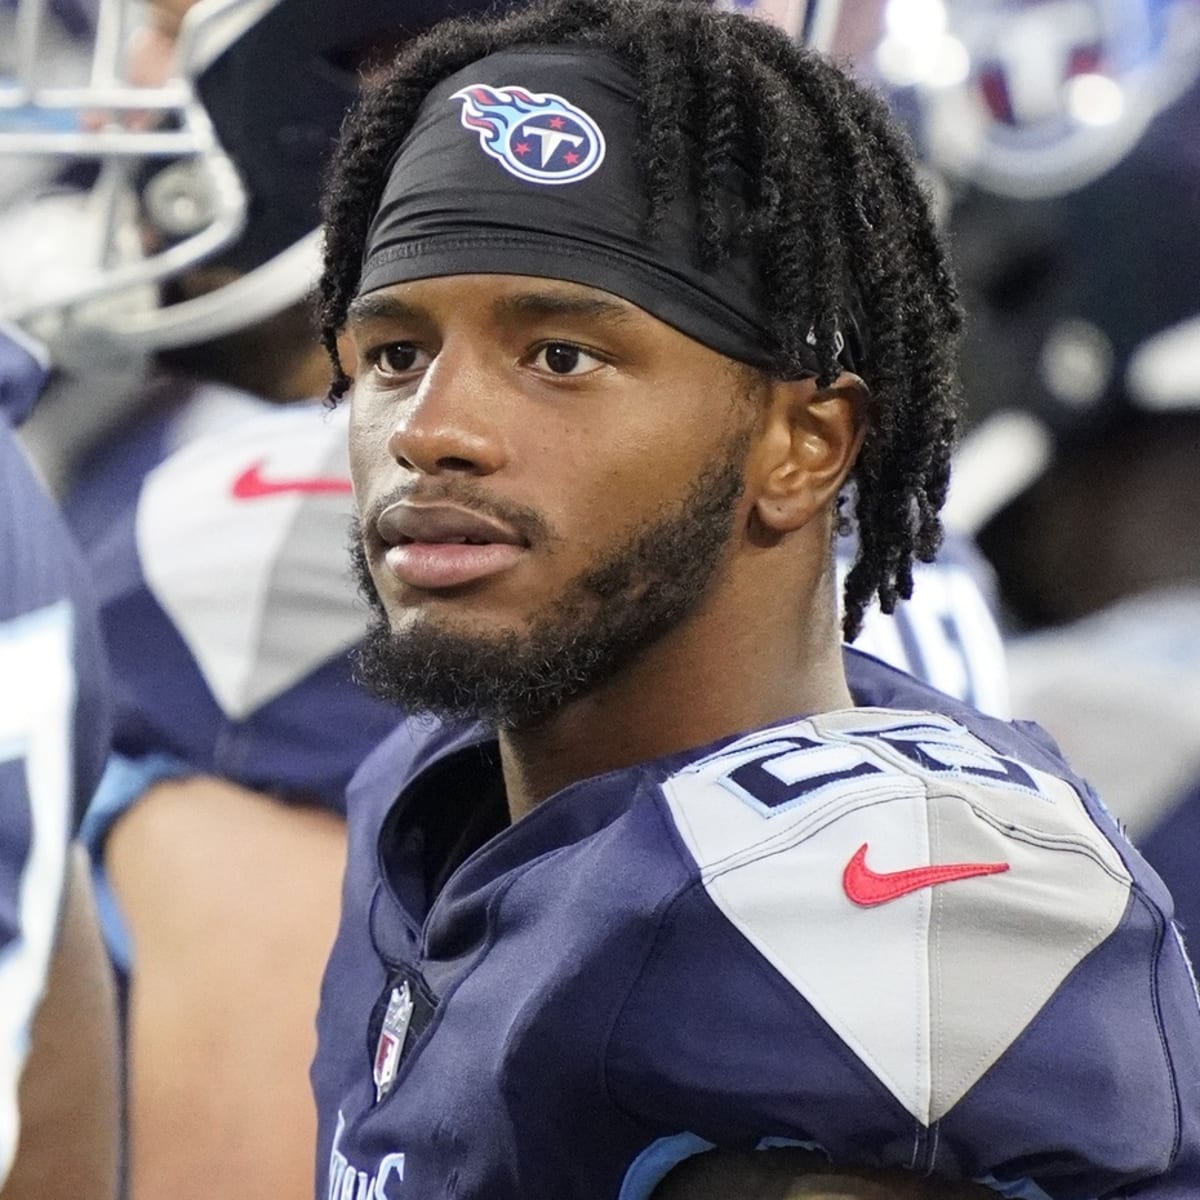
(251, 484)
(867, 888)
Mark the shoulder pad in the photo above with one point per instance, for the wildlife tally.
(893, 867)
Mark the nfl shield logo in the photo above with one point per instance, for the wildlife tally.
(391, 1039)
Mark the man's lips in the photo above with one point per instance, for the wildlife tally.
(405, 522)
(443, 546)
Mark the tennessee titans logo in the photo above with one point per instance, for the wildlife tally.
(1055, 92)
(538, 138)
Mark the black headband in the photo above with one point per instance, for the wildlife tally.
(522, 164)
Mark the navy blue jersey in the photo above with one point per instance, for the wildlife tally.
(45, 585)
(229, 611)
(105, 484)
(53, 725)
(229, 615)
(903, 934)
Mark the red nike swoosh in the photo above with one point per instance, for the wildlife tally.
(251, 485)
(868, 888)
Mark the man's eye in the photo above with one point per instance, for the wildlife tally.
(565, 358)
(399, 358)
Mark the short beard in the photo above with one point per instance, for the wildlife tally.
(603, 619)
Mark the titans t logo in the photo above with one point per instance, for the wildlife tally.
(538, 138)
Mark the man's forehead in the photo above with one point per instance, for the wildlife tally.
(472, 189)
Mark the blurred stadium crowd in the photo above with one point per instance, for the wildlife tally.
(159, 169)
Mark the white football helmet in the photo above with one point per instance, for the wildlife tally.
(218, 164)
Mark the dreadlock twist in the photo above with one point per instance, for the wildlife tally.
(834, 207)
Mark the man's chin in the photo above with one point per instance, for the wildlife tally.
(464, 672)
(458, 658)
(446, 623)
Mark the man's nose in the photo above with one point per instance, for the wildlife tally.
(451, 423)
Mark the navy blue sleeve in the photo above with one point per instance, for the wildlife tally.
(54, 735)
(905, 948)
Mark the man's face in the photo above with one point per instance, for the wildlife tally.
(548, 479)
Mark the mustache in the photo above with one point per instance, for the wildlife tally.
(525, 521)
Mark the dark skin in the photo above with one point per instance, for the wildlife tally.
(576, 405)
(69, 1098)
(453, 383)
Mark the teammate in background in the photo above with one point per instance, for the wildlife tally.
(227, 610)
(677, 874)
(219, 831)
(946, 633)
(1081, 271)
(59, 1107)
(175, 292)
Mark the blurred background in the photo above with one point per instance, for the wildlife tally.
(1062, 141)
(159, 168)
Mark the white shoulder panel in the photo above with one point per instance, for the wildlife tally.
(895, 869)
(242, 538)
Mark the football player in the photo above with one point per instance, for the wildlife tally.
(634, 291)
(219, 832)
(228, 615)
(240, 719)
(59, 1110)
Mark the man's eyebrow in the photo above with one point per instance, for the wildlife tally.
(376, 306)
(380, 306)
(554, 304)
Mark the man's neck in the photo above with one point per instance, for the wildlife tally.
(684, 691)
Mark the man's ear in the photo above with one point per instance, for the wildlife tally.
(811, 439)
